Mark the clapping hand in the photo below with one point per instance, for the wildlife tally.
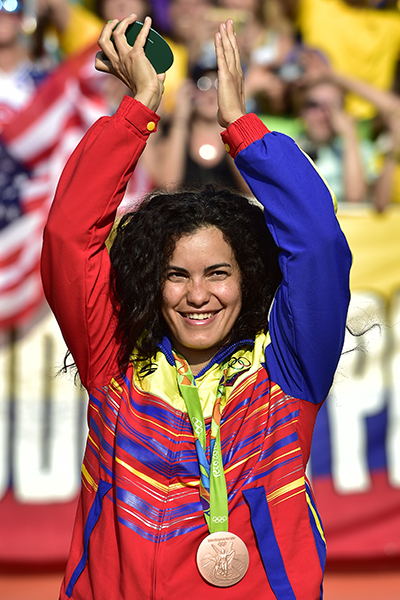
(231, 103)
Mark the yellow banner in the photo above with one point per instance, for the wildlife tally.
(374, 239)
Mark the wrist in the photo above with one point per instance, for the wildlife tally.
(243, 132)
(138, 115)
(236, 117)
(150, 101)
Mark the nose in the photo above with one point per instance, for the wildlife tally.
(197, 293)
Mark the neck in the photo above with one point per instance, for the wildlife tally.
(197, 363)
(196, 359)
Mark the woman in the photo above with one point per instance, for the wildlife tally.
(331, 139)
(208, 380)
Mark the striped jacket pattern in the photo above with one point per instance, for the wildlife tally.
(140, 521)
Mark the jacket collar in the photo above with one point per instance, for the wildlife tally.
(166, 348)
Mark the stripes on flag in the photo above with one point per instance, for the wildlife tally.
(36, 146)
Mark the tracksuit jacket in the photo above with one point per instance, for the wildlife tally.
(139, 520)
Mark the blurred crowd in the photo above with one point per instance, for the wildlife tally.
(323, 71)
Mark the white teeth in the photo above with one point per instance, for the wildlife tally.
(199, 316)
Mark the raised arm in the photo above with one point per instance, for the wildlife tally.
(308, 317)
(75, 262)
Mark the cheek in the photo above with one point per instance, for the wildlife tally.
(170, 297)
(234, 297)
(239, 304)
(165, 302)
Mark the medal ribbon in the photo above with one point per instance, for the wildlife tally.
(213, 493)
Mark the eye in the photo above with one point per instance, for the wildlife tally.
(176, 276)
(218, 275)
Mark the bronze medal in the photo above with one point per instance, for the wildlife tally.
(222, 558)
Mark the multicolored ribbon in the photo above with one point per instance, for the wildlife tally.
(213, 492)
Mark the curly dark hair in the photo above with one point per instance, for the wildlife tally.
(145, 240)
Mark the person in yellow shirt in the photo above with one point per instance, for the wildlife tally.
(358, 39)
(387, 107)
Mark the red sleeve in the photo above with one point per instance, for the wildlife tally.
(75, 261)
(243, 132)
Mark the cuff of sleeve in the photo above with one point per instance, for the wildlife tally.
(243, 132)
(143, 119)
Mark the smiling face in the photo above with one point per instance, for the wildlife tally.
(202, 295)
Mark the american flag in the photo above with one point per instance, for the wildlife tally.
(34, 148)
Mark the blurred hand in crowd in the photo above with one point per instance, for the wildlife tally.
(322, 110)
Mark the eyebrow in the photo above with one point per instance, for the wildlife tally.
(210, 268)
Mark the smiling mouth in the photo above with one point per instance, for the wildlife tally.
(199, 316)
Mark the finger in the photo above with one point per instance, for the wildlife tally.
(101, 65)
(231, 48)
(233, 69)
(108, 29)
(106, 33)
(222, 64)
(104, 60)
(224, 41)
(101, 58)
(232, 38)
(120, 41)
(227, 47)
(219, 52)
(143, 33)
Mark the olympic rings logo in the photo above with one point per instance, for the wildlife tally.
(197, 426)
(239, 363)
(220, 519)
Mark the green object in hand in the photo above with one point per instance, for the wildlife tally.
(156, 48)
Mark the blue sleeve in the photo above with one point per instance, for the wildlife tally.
(308, 316)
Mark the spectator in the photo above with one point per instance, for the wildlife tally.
(19, 74)
(73, 25)
(80, 28)
(330, 138)
(77, 27)
(262, 28)
(191, 152)
(361, 39)
(265, 38)
(190, 35)
(191, 26)
(388, 106)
